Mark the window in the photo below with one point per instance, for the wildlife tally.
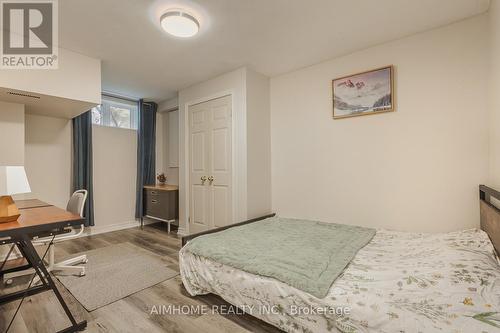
(115, 112)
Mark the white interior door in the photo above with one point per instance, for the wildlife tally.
(210, 128)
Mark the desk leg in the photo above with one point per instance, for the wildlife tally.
(29, 251)
(31, 259)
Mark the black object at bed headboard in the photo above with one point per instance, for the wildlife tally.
(490, 214)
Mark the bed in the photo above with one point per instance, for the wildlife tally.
(398, 282)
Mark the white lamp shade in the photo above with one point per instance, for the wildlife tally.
(13, 180)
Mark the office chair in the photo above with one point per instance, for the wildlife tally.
(75, 205)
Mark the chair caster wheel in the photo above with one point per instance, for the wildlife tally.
(8, 282)
(85, 261)
(82, 274)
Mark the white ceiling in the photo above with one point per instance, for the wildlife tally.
(270, 36)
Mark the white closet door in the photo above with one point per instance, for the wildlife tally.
(210, 164)
(221, 162)
(199, 129)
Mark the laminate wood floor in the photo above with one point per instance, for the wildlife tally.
(42, 313)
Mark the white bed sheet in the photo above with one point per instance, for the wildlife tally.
(399, 282)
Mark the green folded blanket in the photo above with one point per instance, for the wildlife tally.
(307, 255)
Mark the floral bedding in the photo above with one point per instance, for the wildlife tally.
(399, 282)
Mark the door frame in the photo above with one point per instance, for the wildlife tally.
(235, 186)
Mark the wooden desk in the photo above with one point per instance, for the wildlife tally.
(37, 219)
(31, 203)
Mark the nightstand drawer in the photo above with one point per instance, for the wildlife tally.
(157, 194)
(161, 204)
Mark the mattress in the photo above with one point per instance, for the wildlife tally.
(409, 282)
(263, 248)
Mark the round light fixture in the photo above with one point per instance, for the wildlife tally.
(180, 24)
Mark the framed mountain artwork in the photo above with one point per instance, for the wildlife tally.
(364, 93)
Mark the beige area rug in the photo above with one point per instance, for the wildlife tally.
(114, 272)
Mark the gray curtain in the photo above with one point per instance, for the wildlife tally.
(82, 162)
(146, 151)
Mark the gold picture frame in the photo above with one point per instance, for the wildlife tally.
(365, 93)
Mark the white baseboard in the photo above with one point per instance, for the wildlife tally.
(96, 230)
(181, 231)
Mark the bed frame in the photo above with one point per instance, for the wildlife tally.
(490, 214)
(186, 239)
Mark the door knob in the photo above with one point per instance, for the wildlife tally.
(211, 178)
(203, 178)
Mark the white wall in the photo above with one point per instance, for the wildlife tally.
(11, 134)
(48, 158)
(160, 137)
(167, 139)
(11, 141)
(415, 169)
(169, 104)
(167, 145)
(258, 145)
(494, 100)
(115, 174)
(49, 167)
(48, 162)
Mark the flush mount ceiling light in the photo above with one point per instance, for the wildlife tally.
(179, 23)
